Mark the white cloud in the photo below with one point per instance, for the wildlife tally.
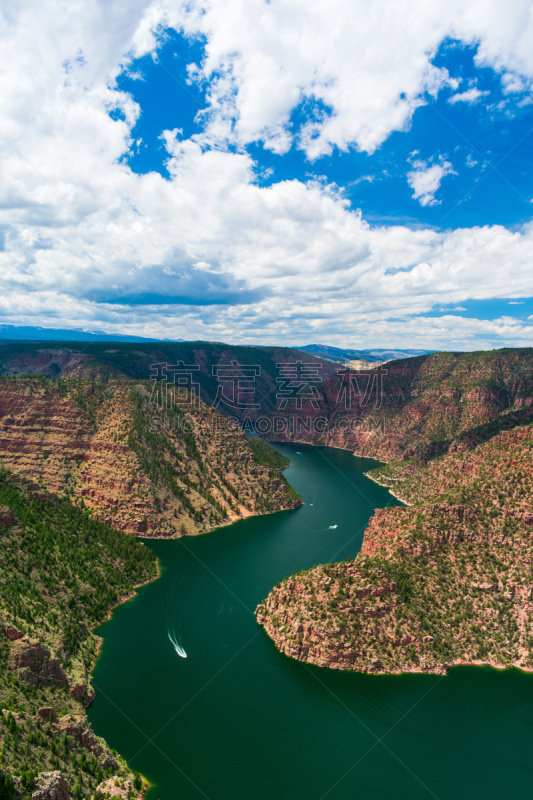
(513, 83)
(425, 180)
(469, 96)
(363, 179)
(210, 253)
(367, 71)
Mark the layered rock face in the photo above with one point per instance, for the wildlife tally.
(419, 407)
(138, 467)
(413, 407)
(446, 581)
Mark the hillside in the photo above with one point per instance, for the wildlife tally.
(110, 448)
(60, 573)
(134, 361)
(445, 581)
(419, 407)
(411, 408)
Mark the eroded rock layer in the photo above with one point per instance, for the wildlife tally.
(143, 469)
(445, 581)
(413, 407)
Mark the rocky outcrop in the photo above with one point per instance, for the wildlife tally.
(121, 790)
(34, 664)
(136, 466)
(443, 582)
(47, 713)
(82, 691)
(81, 730)
(6, 516)
(51, 786)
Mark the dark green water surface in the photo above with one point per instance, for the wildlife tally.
(236, 720)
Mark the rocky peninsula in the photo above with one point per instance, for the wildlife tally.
(445, 581)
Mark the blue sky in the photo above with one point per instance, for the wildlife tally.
(487, 142)
(271, 172)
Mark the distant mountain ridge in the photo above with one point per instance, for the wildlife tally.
(35, 333)
(375, 354)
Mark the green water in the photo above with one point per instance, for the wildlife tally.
(236, 720)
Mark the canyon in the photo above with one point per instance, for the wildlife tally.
(443, 581)
(439, 582)
(114, 450)
(410, 408)
(84, 463)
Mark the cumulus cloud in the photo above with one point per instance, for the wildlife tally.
(425, 180)
(513, 83)
(210, 253)
(469, 96)
(368, 72)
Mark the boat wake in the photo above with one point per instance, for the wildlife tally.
(177, 646)
(172, 624)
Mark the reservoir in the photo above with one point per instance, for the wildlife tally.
(237, 720)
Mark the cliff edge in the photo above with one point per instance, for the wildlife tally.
(443, 582)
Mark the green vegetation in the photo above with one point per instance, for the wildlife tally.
(78, 569)
(266, 455)
(442, 582)
(97, 450)
(7, 787)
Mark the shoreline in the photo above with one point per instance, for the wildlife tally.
(124, 599)
(246, 515)
(178, 537)
(109, 614)
(146, 783)
(355, 455)
(443, 671)
(436, 670)
(384, 486)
